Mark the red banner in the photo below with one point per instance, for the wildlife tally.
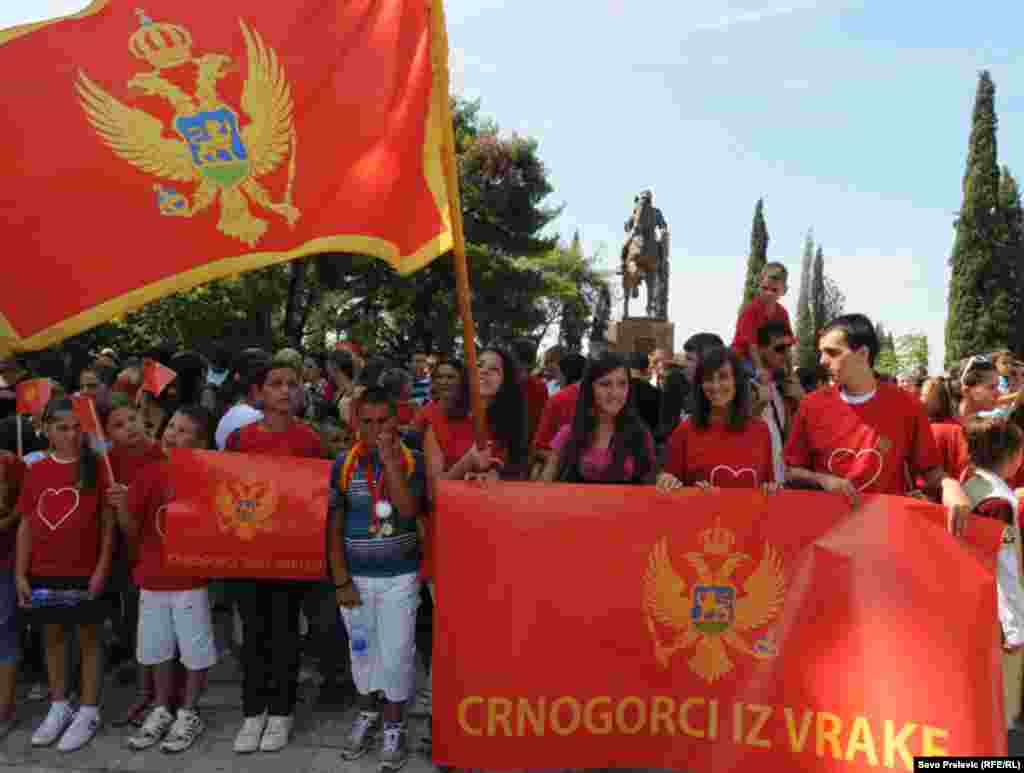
(213, 138)
(242, 515)
(594, 626)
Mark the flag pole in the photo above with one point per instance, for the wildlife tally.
(463, 293)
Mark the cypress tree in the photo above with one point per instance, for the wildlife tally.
(818, 291)
(758, 254)
(1013, 254)
(807, 354)
(981, 305)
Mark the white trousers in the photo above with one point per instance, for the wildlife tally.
(387, 617)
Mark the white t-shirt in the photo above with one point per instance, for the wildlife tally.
(237, 417)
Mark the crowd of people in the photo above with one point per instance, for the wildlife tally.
(81, 540)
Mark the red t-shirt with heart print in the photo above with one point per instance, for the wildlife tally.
(723, 457)
(64, 520)
(870, 444)
(148, 498)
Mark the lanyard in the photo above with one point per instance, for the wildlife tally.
(377, 488)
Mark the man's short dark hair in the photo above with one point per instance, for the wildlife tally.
(572, 367)
(702, 342)
(773, 328)
(859, 333)
(525, 351)
(255, 372)
(377, 395)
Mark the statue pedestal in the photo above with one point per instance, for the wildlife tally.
(639, 334)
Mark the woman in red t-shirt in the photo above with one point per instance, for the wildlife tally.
(721, 445)
(64, 544)
(946, 429)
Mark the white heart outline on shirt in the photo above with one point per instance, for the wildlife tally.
(857, 455)
(736, 473)
(57, 492)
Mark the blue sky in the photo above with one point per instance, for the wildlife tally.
(848, 117)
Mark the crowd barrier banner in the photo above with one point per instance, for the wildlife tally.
(164, 144)
(241, 515)
(607, 626)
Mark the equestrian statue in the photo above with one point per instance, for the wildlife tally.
(645, 257)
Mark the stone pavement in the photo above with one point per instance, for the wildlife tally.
(316, 743)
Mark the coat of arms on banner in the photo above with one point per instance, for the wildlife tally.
(245, 509)
(712, 613)
(211, 149)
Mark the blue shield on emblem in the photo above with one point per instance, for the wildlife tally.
(713, 607)
(216, 144)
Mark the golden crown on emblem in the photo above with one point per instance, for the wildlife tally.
(717, 540)
(162, 45)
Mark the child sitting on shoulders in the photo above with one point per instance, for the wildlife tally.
(763, 308)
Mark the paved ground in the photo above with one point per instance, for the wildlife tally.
(315, 747)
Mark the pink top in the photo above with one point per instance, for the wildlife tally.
(595, 462)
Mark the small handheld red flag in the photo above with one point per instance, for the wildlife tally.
(85, 410)
(156, 377)
(33, 395)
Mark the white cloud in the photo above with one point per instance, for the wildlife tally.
(749, 17)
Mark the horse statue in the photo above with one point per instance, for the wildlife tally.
(645, 257)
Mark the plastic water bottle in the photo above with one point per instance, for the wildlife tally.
(47, 597)
(359, 634)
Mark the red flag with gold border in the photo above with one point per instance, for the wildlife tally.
(149, 150)
(85, 410)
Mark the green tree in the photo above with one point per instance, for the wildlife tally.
(1013, 252)
(912, 352)
(807, 354)
(887, 360)
(983, 294)
(817, 299)
(758, 254)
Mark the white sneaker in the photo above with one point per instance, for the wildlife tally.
(275, 737)
(53, 726)
(248, 739)
(153, 729)
(184, 732)
(79, 732)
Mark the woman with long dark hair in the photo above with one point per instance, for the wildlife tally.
(607, 441)
(721, 445)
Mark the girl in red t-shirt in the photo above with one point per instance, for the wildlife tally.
(721, 446)
(64, 543)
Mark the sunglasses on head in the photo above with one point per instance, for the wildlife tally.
(977, 359)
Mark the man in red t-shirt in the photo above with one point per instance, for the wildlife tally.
(763, 308)
(535, 390)
(861, 436)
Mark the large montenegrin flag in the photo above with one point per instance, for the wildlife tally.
(148, 150)
(619, 627)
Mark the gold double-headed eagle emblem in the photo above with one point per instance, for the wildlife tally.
(246, 509)
(711, 614)
(211, 150)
